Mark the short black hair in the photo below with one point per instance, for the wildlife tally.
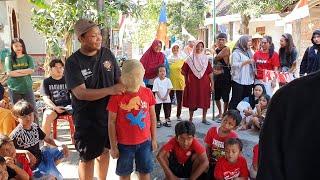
(22, 108)
(4, 139)
(53, 62)
(233, 141)
(234, 114)
(266, 96)
(161, 66)
(2, 160)
(185, 127)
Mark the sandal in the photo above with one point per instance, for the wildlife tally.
(206, 122)
(167, 123)
(159, 124)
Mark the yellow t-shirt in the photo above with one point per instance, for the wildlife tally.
(7, 121)
(177, 79)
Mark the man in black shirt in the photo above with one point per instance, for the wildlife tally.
(55, 94)
(92, 74)
(289, 138)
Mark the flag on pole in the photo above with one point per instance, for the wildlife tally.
(162, 28)
(300, 11)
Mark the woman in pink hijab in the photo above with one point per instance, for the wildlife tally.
(197, 71)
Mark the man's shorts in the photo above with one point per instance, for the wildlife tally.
(180, 170)
(47, 166)
(91, 142)
(222, 93)
(141, 153)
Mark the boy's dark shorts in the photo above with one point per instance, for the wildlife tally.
(91, 142)
(180, 170)
(222, 93)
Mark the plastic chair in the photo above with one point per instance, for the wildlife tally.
(64, 118)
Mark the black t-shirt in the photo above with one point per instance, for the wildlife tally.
(224, 78)
(25, 139)
(96, 72)
(288, 141)
(56, 90)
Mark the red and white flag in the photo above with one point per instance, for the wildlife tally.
(282, 77)
(300, 11)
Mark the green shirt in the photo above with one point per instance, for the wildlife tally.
(21, 84)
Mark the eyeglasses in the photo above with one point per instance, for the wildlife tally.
(264, 42)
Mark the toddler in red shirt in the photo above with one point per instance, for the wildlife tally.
(233, 165)
(183, 156)
(216, 137)
(132, 124)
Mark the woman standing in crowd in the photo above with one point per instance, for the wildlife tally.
(19, 67)
(176, 61)
(242, 71)
(222, 76)
(199, 81)
(311, 58)
(288, 54)
(151, 60)
(266, 59)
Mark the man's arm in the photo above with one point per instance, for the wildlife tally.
(82, 93)
(162, 158)
(48, 102)
(21, 174)
(204, 163)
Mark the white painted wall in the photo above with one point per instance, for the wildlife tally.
(35, 43)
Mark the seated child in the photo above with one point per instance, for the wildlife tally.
(183, 156)
(15, 167)
(233, 165)
(162, 87)
(216, 137)
(26, 138)
(132, 124)
(258, 114)
(3, 169)
(254, 167)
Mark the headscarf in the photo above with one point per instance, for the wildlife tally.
(151, 60)
(180, 55)
(198, 63)
(316, 32)
(242, 45)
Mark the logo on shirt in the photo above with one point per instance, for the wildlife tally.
(262, 61)
(188, 153)
(231, 174)
(86, 73)
(107, 64)
(26, 139)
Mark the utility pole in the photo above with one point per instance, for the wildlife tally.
(214, 41)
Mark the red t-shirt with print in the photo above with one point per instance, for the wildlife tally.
(255, 154)
(133, 116)
(226, 170)
(183, 154)
(216, 142)
(263, 62)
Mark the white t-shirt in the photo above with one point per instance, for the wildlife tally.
(162, 87)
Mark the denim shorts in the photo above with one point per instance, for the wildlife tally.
(47, 166)
(141, 153)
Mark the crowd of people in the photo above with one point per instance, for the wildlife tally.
(121, 108)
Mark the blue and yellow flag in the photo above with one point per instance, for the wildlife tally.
(162, 28)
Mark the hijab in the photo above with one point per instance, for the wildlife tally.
(242, 45)
(180, 55)
(151, 60)
(198, 63)
(316, 32)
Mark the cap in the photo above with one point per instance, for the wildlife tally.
(83, 25)
(257, 36)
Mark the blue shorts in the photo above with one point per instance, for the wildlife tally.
(141, 153)
(47, 166)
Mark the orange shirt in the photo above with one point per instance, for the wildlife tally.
(7, 121)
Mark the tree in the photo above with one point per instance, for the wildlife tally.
(253, 8)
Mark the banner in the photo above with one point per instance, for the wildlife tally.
(282, 77)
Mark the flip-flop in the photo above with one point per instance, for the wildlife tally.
(159, 124)
(206, 122)
(167, 124)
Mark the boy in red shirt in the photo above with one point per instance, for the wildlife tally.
(132, 124)
(183, 156)
(232, 165)
(216, 137)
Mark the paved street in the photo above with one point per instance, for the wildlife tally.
(69, 168)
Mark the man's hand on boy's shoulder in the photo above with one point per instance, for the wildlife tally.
(118, 89)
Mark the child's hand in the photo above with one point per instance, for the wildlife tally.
(32, 159)
(65, 151)
(9, 162)
(114, 152)
(154, 145)
(164, 98)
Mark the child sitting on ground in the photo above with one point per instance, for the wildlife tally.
(183, 156)
(162, 87)
(258, 114)
(3, 169)
(26, 138)
(254, 167)
(16, 167)
(216, 137)
(233, 165)
(132, 124)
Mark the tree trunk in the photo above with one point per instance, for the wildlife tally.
(69, 45)
(244, 28)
